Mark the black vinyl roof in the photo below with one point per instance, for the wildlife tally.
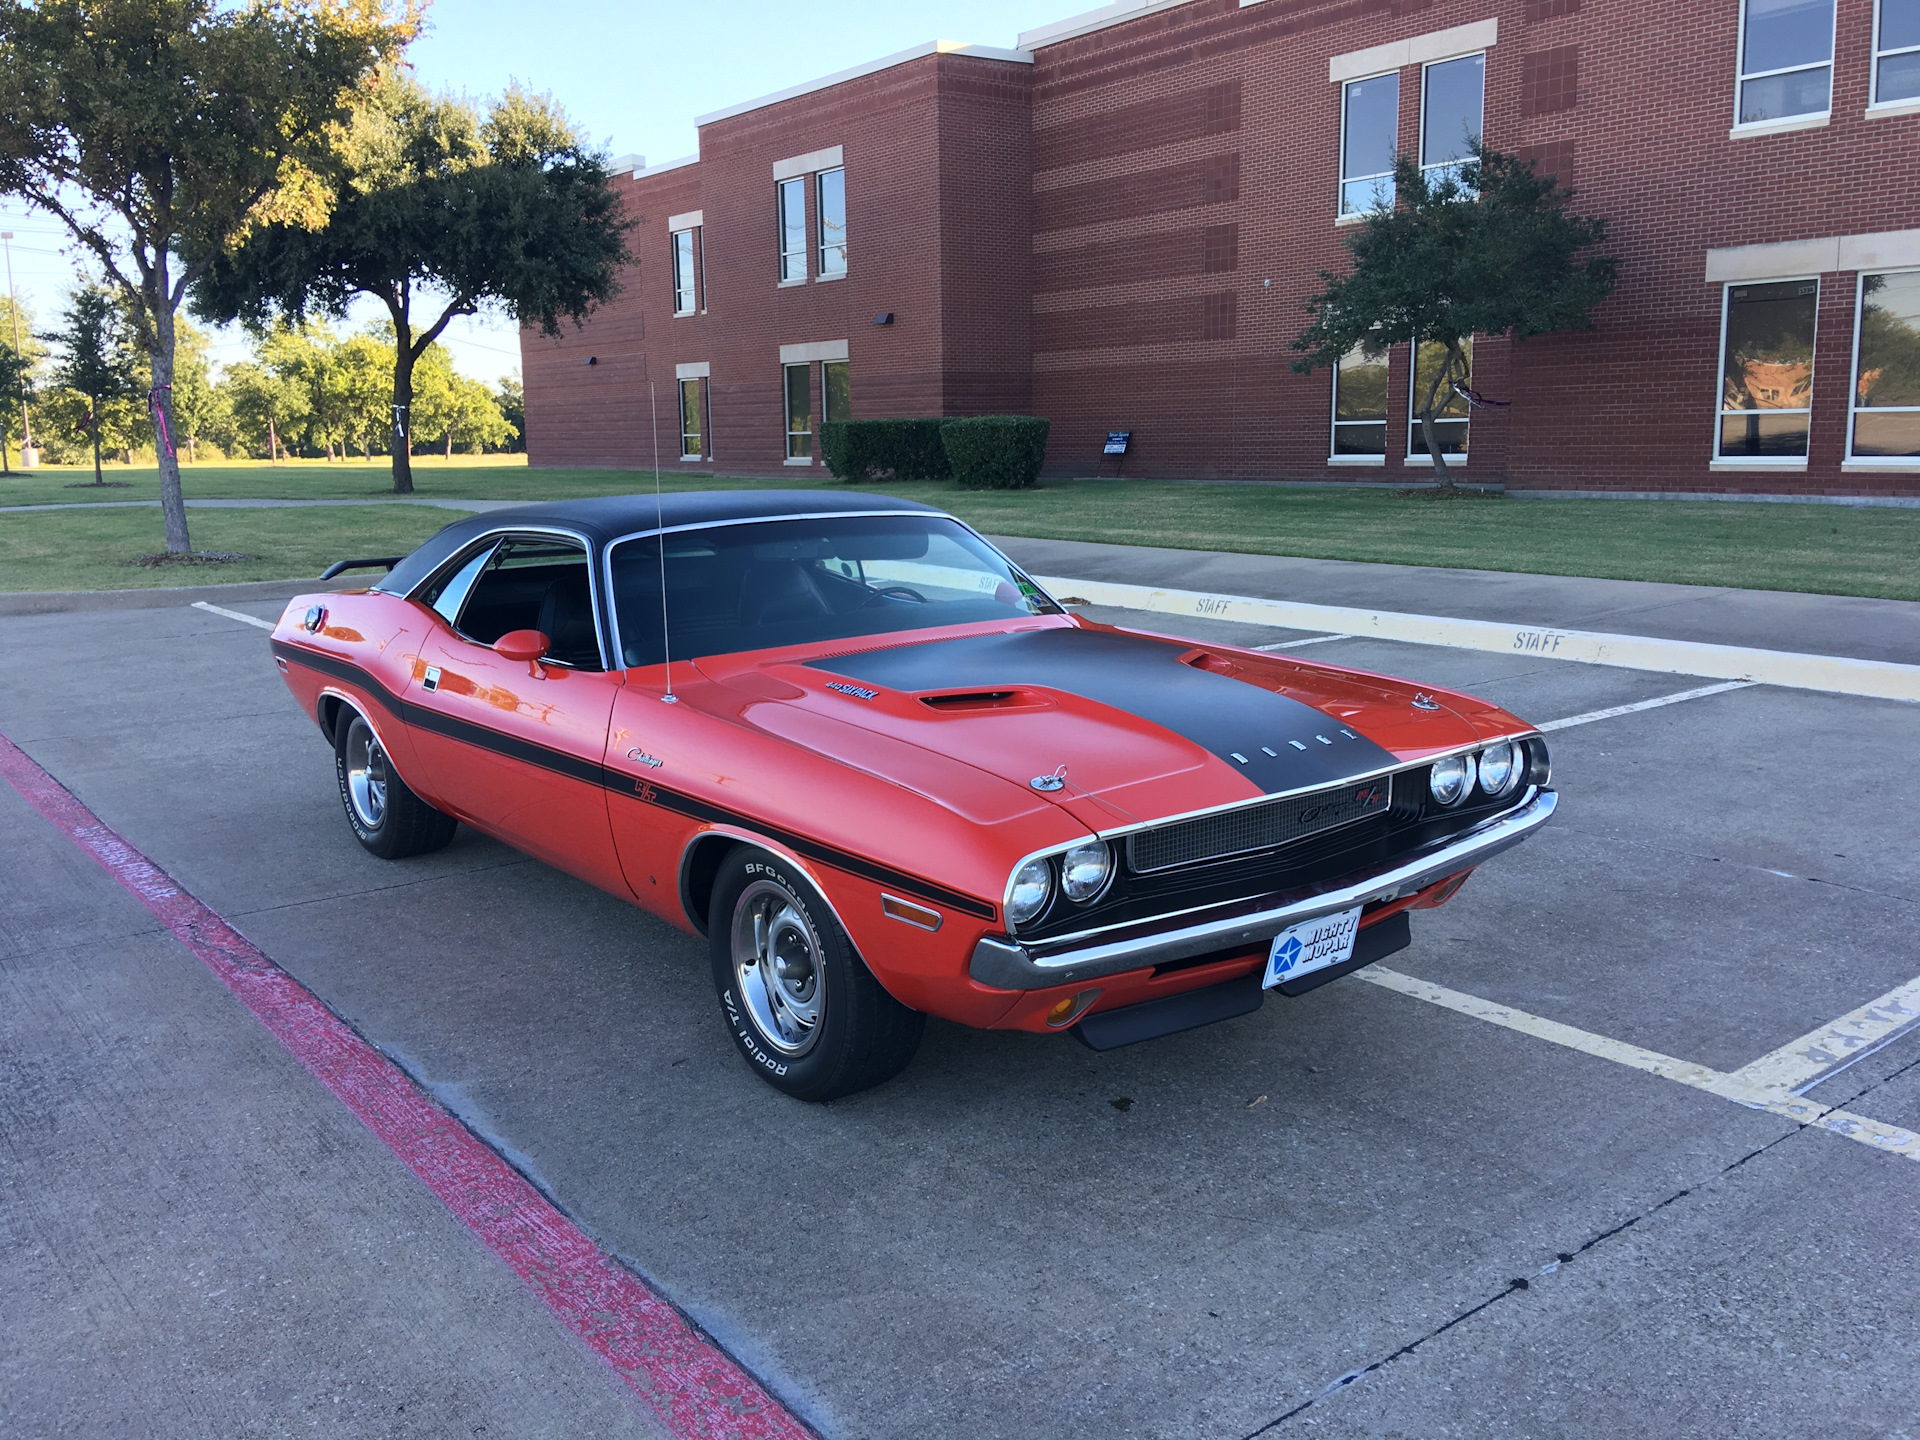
(608, 517)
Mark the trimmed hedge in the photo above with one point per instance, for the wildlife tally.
(996, 452)
(868, 449)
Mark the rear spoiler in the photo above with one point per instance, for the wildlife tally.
(341, 566)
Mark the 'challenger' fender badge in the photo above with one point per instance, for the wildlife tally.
(642, 758)
(1425, 702)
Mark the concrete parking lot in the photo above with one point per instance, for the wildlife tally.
(1356, 1213)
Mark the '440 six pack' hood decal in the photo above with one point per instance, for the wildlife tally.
(1277, 743)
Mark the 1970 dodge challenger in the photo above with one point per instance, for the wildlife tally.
(888, 776)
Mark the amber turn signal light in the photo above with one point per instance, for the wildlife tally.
(1071, 1009)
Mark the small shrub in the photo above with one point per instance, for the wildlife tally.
(996, 452)
(903, 449)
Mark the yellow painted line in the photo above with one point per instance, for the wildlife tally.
(1890, 1139)
(1802, 1063)
(1835, 674)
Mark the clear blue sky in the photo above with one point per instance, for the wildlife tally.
(632, 78)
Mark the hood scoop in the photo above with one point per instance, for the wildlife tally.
(974, 702)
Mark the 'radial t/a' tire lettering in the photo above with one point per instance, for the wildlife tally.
(803, 1009)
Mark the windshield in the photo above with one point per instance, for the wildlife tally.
(790, 582)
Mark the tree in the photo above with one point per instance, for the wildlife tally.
(160, 131)
(97, 358)
(512, 398)
(1486, 249)
(199, 407)
(265, 406)
(512, 213)
(20, 357)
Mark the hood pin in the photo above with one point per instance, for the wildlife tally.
(1050, 783)
(1425, 702)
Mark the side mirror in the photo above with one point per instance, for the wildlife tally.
(527, 645)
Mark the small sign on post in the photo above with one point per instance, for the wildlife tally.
(1117, 443)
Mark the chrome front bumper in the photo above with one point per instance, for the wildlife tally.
(1254, 921)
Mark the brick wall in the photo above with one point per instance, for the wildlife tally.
(1123, 234)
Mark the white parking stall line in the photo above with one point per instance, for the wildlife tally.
(1296, 644)
(1889, 1139)
(232, 614)
(1799, 1065)
(1834, 674)
(1654, 704)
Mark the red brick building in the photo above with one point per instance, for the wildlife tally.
(1115, 226)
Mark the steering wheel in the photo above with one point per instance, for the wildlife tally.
(894, 592)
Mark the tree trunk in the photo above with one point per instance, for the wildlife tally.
(273, 443)
(402, 410)
(173, 504)
(1431, 401)
(449, 445)
(93, 424)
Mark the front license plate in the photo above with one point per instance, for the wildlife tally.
(1311, 945)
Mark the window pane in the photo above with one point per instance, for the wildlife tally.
(1757, 434)
(1360, 387)
(1886, 432)
(1780, 97)
(799, 412)
(1451, 108)
(1769, 349)
(1899, 78)
(1370, 136)
(1899, 24)
(793, 229)
(1784, 33)
(690, 417)
(1360, 439)
(1450, 415)
(1889, 371)
(836, 390)
(1452, 435)
(683, 271)
(833, 222)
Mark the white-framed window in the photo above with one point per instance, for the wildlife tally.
(1786, 60)
(686, 271)
(1896, 52)
(1453, 95)
(791, 204)
(1369, 139)
(830, 187)
(836, 390)
(1360, 409)
(1451, 417)
(1886, 370)
(799, 391)
(1766, 371)
(693, 444)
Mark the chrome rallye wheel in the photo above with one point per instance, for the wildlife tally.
(802, 1007)
(386, 817)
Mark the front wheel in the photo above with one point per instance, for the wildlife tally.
(802, 1007)
(387, 818)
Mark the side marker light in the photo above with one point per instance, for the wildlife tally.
(1065, 1012)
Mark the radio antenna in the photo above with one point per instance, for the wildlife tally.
(660, 530)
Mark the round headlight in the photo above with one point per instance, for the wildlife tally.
(1500, 767)
(1085, 868)
(1032, 884)
(1451, 779)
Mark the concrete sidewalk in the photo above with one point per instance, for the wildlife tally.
(1770, 619)
(465, 507)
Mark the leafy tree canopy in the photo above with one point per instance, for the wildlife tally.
(1487, 249)
(96, 359)
(510, 212)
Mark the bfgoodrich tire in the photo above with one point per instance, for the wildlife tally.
(802, 1007)
(385, 816)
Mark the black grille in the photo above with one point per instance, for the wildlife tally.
(1257, 827)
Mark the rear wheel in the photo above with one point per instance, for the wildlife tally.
(386, 817)
(802, 1007)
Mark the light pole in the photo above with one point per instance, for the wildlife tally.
(13, 301)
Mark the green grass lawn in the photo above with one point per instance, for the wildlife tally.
(1832, 549)
(90, 549)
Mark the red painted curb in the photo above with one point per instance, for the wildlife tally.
(693, 1387)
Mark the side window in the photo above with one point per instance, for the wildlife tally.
(1452, 101)
(1766, 370)
(446, 593)
(799, 386)
(692, 445)
(832, 187)
(1360, 405)
(1786, 60)
(536, 583)
(1451, 418)
(1896, 52)
(685, 272)
(836, 390)
(1886, 374)
(1369, 138)
(792, 198)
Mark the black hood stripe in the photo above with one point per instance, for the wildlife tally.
(643, 791)
(1277, 743)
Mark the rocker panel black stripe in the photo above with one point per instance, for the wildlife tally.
(642, 791)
